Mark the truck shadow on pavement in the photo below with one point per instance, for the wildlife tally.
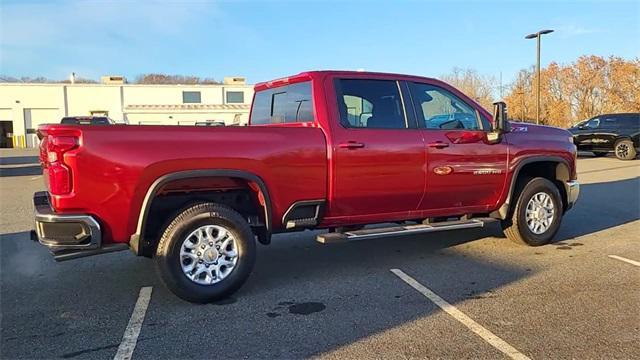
(45, 303)
(602, 206)
(303, 298)
(307, 299)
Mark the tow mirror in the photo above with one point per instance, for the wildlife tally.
(500, 124)
(500, 116)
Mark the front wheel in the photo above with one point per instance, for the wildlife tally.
(537, 214)
(206, 253)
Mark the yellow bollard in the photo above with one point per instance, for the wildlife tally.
(19, 141)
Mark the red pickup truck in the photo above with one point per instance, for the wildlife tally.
(329, 150)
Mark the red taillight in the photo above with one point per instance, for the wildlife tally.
(59, 178)
(59, 173)
(58, 145)
(43, 151)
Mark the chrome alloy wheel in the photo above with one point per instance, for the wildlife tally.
(622, 150)
(208, 254)
(540, 213)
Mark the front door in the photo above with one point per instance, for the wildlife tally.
(378, 155)
(465, 173)
(587, 135)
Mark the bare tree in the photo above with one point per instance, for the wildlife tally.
(589, 86)
(472, 84)
(43, 80)
(153, 78)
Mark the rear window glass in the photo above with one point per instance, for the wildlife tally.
(631, 120)
(85, 121)
(285, 104)
(621, 120)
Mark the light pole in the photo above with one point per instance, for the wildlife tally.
(537, 36)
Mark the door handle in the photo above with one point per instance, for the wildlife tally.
(438, 145)
(352, 145)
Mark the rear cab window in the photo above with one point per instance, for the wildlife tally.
(286, 104)
(372, 104)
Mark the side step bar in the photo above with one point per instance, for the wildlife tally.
(75, 254)
(301, 223)
(330, 238)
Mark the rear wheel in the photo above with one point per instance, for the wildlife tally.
(625, 150)
(537, 214)
(206, 253)
(600, 153)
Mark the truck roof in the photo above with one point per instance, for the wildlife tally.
(314, 74)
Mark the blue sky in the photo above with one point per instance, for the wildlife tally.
(267, 39)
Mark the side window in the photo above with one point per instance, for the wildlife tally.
(486, 123)
(235, 97)
(593, 123)
(285, 104)
(631, 121)
(581, 124)
(610, 122)
(372, 104)
(191, 97)
(437, 108)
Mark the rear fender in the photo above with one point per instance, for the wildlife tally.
(226, 181)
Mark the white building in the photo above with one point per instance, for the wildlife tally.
(24, 106)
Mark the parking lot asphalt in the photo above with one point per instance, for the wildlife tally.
(569, 299)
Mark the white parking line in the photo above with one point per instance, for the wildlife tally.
(130, 338)
(632, 262)
(485, 334)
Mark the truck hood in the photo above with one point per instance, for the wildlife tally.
(522, 127)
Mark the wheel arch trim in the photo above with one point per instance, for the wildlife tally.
(503, 211)
(153, 190)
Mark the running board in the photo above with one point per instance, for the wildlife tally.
(335, 237)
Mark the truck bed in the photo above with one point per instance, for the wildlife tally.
(115, 165)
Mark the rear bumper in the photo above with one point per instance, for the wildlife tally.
(68, 236)
(572, 188)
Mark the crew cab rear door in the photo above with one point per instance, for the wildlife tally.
(465, 173)
(378, 152)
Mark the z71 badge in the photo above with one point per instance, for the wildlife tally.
(519, 128)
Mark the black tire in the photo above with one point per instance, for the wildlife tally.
(625, 150)
(600, 153)
(516, 228)
(167, 257)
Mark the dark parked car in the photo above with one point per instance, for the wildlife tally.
(87, 120)
(617, 133)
